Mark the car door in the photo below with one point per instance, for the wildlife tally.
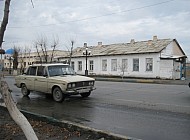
(28, 79)
(40, 81)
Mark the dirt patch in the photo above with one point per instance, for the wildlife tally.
(9, 130)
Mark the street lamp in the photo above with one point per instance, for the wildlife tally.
(86, 53)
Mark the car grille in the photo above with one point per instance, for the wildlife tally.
(82, 84)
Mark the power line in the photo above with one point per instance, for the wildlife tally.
(84, 19)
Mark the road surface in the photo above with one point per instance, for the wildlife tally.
(144, 111)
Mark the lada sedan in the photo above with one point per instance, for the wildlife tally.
(57, 79)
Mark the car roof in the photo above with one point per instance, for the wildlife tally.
(49, 64)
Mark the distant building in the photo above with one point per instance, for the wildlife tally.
(156, 58)
(29, 58)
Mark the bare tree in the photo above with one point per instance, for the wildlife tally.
(123, 67)
(54, 45)
(28, 51)
(70, 47)
(15, 57)
(32, 3)
(21, 59)
(5, 20)
(42, 49)
(37, 50)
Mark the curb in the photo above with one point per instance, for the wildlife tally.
(148, 81)
(96, 133)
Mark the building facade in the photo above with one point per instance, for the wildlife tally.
(156, 58)
(29, 58)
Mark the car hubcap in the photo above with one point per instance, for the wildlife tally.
(24, 90)
(57, 95)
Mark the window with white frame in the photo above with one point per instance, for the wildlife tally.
(124, 65)
(104, 65)
(149, 64)
(136, 64)
(73, 65)
(91, 62)
(79, 65)
(114, 65)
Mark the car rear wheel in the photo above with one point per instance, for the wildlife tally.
(25, 90)
(86, 94)
(58, 94)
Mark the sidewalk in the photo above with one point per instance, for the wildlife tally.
(151, 81)
(133, 80)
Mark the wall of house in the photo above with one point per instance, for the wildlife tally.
(176, 50)
(172, 49)
(169, 69)
(98, 70)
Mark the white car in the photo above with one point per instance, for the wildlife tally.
(57, 79)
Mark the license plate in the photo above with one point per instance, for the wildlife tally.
(83, 90)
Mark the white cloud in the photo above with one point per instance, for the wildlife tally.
(109, 21)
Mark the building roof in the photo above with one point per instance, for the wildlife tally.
(133, 47)
(150, 46)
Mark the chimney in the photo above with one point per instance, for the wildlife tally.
(99, 43)
(132, 41)
(155, 38)
(85, 45)
(149, 43)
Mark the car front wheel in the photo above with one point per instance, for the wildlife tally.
(58, 94)
(24, 90)
(86, 94)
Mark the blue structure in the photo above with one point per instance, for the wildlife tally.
(9, 51)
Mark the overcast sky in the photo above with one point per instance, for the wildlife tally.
(93, 21)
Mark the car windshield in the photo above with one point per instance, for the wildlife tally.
(59, 70)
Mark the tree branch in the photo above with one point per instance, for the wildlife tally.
(32, 3)
(16, 115)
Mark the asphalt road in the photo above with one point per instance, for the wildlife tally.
(144, 111)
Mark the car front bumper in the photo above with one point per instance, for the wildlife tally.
(79, 90)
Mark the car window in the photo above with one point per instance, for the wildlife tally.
(40, 71)
(60, 70)
(31, 71)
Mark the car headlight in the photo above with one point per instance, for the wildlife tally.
(71, 85)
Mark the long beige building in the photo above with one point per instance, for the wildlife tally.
(29, 58)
